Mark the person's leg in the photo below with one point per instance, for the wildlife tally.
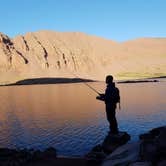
(108, 109)
(114, 124)
(111, 117)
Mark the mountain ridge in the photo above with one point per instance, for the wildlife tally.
(59, 54)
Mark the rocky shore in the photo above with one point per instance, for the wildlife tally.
(150, 150)
(115, 150)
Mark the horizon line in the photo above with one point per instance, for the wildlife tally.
(117, 41)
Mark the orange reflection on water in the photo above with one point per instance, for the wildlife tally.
(44, 114)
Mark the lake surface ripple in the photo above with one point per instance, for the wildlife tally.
(69, 118)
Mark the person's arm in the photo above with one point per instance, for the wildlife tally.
(107, 95)
(101, 97)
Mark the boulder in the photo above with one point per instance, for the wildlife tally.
(112, 141)
(153, 146)
(162, 163)
(124, 155)
(5, 152)
(157, 131)
(50, 153)
(14, 157)
(148, 150)
(143, 163)
(147, 136)
(37, 155)
(17, 157)
(96, 155)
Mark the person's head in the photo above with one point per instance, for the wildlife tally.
(109, 79)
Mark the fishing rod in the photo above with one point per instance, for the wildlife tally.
(93, 89)
(85, 83)
(90, 87)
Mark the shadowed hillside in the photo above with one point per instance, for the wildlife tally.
(50, 81)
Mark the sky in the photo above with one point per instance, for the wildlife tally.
(119, 20)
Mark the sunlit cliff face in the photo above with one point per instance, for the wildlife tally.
(55, 54)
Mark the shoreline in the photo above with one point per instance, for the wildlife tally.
(141, 80)
(61, 80)
(137, 81)
(48, 80)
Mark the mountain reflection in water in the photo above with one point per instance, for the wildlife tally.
(68, 117)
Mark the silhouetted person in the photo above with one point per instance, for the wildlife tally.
(111, 98)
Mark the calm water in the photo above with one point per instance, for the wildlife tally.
(68, 117)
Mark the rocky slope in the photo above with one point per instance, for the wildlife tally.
(60, 54)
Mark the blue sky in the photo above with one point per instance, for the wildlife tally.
(118, 20)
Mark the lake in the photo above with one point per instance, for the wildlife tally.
(69, 118)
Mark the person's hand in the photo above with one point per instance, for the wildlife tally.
(98, 97)
(101, 97)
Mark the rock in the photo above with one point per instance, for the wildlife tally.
(49, 153)
(153, 133)
(4, 152)
(146, 136)
(161, 145)
(158, 130)
(162, 139)
(12, 157)
(37, 155)
(153, 146)
(141, 164)
(111, 142)
(124, 155)
(97, 148)
(148, 150)
(96, 154)
(162, 163)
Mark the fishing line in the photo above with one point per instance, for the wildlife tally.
(85, 83)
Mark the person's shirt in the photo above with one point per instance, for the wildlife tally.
(110, 94)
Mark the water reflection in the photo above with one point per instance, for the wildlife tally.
(69, 117)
